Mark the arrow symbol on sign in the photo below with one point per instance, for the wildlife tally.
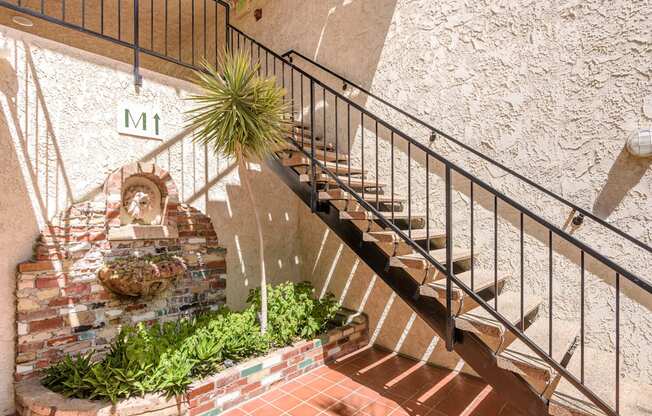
(156, 119)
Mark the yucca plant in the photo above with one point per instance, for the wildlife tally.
(244, 116)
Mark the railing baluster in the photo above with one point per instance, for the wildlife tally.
(582, 317)
(550, 292)
(302, 123)
(391, 145)
(313, 195)
(179, 29)
(227, 34)
(192, 25)
(449, 261)
(83, 13)
(362, 147)
(409, 184)
(337, 151)
(323, 139)
(377, 204)
(617, 343)
(101, 15)
(151, 24)
(522, 279)
(348, 139)
(63, 12)
(205, 54)
(137, 77)
(427, 204)
(472, 239)
(496, 252)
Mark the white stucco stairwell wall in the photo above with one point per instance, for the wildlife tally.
(58, 143)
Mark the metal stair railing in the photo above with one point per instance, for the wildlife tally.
(110, 20)
(242, 41)
(583, 213)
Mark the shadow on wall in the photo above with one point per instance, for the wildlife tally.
(333, 267)
(234, 219)
(625, 174)
(35, 140)
(17, 218)
(324, 26)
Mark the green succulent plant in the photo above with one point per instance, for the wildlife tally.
(168, 357)
(244, 116)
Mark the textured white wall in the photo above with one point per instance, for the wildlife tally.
(551, 89)
(58, 143)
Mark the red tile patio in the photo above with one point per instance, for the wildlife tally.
(372, 382)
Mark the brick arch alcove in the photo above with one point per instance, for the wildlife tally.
(62, 307)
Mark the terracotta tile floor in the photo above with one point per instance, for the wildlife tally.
(372, 382)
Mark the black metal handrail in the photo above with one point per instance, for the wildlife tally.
(439, 132)
(643, 284)
(447, 270)
(63, 19)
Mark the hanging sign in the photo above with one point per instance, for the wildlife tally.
(139, 120)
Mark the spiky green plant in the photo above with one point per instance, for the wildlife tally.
(244, 116)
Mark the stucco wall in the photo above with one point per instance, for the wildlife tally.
(550, 89)
(58, 143)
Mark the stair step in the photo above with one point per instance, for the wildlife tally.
(393, 238)
(319, 155)
(319, 143)
(482, 279)
(401, 220)
(340, 168)
(481, 322)
(520, 359)
(352, 182)
(299, 159)
(339, 194)
(417, 261)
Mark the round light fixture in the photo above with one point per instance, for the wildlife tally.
(22, 21)
(640, 143)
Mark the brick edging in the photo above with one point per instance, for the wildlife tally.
(211, 395)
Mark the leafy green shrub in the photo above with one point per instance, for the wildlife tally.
(168, 357)
(293, 313)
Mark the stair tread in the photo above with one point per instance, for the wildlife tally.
(321, 155)
(482, 279)
(355, 182)
(366, 215)
(519, 358)
(339, 168)
(438, 254)
(338, 194)
(480, 321)
(392, 237)
(417, 261)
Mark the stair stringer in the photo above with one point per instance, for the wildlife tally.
(510, 386)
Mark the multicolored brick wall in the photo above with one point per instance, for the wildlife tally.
(212, 395)
(62, 307)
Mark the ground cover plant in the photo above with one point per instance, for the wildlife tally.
(168, 357)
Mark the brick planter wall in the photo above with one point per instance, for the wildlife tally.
(211, 395)
(62, 307)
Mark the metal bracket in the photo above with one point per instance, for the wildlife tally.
(578, 220)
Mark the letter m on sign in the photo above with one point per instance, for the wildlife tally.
(130, 123)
